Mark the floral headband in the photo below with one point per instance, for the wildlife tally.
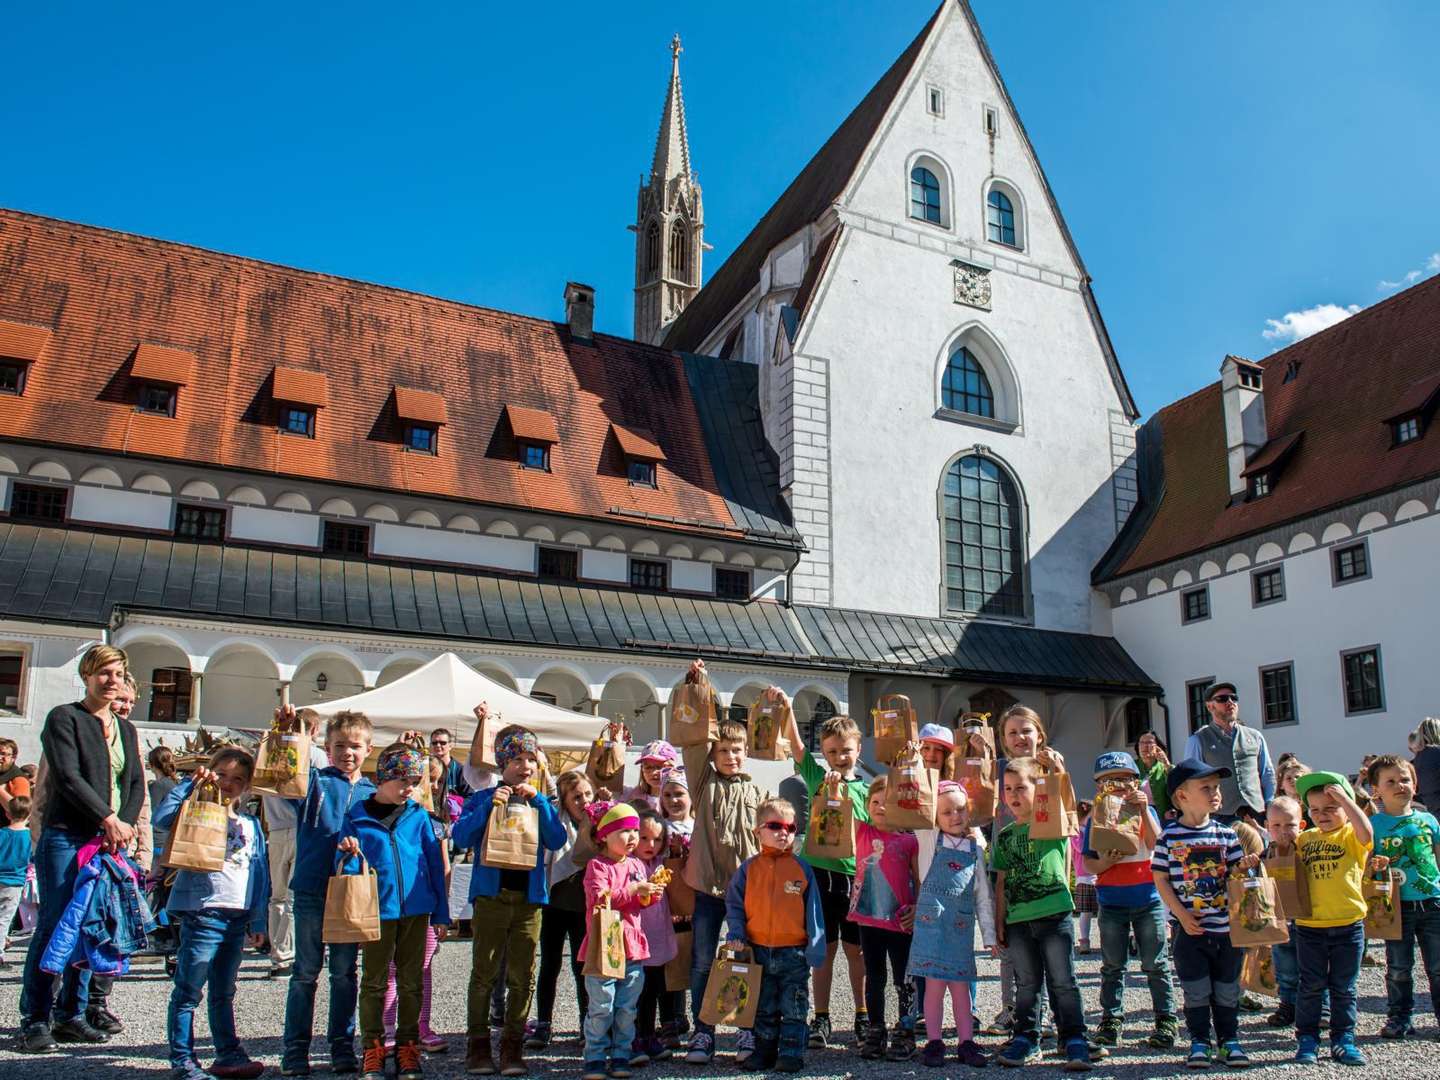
(511, 746)
(400, 763)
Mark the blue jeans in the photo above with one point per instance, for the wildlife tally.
(309, 914)
(610, 1020)
(1329, 957)
(1148, 923)
(708, 921)
(1207, 967)
(1287, 976)
(784, 1003)
(1043, 950)
(55, 872)
(211, 946)
(1419, 919)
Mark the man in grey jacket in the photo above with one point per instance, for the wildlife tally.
(1226, 743)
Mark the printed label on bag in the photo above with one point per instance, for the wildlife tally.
(977, 762)
(1039, 781)
(740, 969)
(1382, 887)
(766, 710)
(1254, 883)
(832, 803)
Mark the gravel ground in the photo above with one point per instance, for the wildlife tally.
(141, 1001)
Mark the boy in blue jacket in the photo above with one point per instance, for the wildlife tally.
(507, 905)
(333, 792)
(397, 839)
(217, 914)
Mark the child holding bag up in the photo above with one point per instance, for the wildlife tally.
(616, 876)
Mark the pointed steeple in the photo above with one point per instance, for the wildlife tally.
(669, 221)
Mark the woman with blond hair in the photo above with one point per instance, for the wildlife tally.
(1425, 743)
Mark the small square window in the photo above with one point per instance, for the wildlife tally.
(648, 574)
(561, 564)
(992, 121)
(1351, 563)
(1250, 378)
(342, 538)
(1267, 586)
(1260, 485)
(732, 584)
(34, 502)
(1195, 604)
(1277, 694)
(1195, 709)
(12, 679)
(535, 456)
(200, 523)
(1407, 430)
(157, 399)
(12, 377)
(422, 438)
(1364, 687)
(170, 696)
(641, 473)
(297, 420)
(935, 101)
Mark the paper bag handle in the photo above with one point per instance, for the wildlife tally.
(342, 860)
(741, 953)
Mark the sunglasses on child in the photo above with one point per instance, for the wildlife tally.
(786, 827)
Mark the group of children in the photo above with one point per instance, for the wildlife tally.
(906, 912)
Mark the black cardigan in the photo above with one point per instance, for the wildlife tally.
(79, 771)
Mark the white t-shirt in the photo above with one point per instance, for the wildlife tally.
(230, 886)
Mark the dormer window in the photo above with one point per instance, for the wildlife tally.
(1406, 431)
(12, 377)
(422, 438)
(1250, 378)
(1260, 485)
(20, 346)
(641, 473)
(299, 394)
(535, 433)
(642, 455)
(535, 456)
(422, 414)
(297, 420)
(160, 371)
(156, 399)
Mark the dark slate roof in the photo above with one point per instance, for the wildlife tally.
(982, 651)
(71, 575)
(726, 394)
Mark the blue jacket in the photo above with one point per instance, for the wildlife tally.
(407, 861)
(469, 832)
(105, 922)
(814, 919)
(321, 821)
(192, 890)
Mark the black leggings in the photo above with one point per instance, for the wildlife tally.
(556, 925)
(653, 996)
(878, 945)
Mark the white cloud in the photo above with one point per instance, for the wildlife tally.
(1296, 325)
(1432, 266)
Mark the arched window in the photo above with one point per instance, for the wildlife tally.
(924, 195)
(652, 251)
(1000, 218)
(984, 545)
(824, 709)
(679, 252)
(965, 387)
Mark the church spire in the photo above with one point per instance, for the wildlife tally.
(669, 221)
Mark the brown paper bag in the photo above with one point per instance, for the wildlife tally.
(605, 765)
(1257, 973)
(732, 993)
(1292, 888)
(910, 793)
(352, 906)
(512, 837)
(199, 832)
(482, 743)
(1256, 917)
(1382, 905)
(693, 719)
(680, 895)
(1115, 825)
(973, 723)
(831, 834)
(1054, 817)
(677, 968)
(282, 760)
(605, 943)
(769, 720)
(893, 726)
(977, 777)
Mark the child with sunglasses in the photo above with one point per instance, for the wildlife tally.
(773, 907)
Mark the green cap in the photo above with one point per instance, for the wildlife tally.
(1312, 780)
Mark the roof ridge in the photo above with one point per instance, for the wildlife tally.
(1369, 311)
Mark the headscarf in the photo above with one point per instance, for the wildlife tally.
(400, 763)
(674, 775)
(515, 743)
(609, 817)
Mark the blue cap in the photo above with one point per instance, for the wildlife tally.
(1115, 761)
(1191, 769)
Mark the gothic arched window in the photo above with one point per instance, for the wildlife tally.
(983, 538)
(1000, 218)
(924, 195)
(679, 252)
(965, 387)
(652, 251)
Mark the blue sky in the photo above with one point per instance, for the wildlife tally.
(1221, 165)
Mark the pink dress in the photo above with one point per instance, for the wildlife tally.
(619, 879)
(883, 886)
(658, 927)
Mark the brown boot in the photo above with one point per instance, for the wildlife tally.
(512, 1055)
(478, 1059)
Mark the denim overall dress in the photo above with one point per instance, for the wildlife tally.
(943, 946)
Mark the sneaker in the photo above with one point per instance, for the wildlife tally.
(279, 971)
(873, 1048)
(744, 1047)
(1308, 1050)
(593, 1070)
(1109, 1031)
(657, 1049)
(1397, 1029)
(617, 1070)
(1017, 1052)
(407, 1062)
(373, 1060)
(434, 1044)
(902, 1044)
(240, 1069)
(1283, 1016)
(702, 1049)
(539, 1037)
(77, 1030)
(1167, 1030)
(1001, 1025)
(1250, 1003)
(191, 1070)
(639, 1055)
(933, 1056)
(967, 1053)
(343, 1066)
(301, 1068)
(1232, 1056)
(1201, 1055)
(820, 1032)
(1077, 1056)
(36, 1039)
(102, 1019)
(862, 1027)
(789, 1063)
(670, 1036)
(1347, 1053)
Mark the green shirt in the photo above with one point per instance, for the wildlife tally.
(814, 775)
(1037, 874)
(1156, 776)
(117, 764)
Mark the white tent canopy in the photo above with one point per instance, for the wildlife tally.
(444, 693)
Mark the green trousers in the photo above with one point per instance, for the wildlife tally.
(506, 925)
(402, 942)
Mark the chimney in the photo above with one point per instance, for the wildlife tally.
(580, 311)
(1243, 401)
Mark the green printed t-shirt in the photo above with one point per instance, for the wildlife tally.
(1409, 843)
(814, 775)
(1037, 874)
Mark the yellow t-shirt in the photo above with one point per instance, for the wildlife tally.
(1334, 867)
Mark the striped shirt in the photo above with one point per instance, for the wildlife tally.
(1197, 861)
(1129, 883)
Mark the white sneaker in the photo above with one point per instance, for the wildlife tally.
(702, 1049)
(744, 1047)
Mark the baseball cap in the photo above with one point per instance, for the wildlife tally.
(938, 733)
(659, 751)
(1115, 761)
(1312, 780)
(1192, 769)
(1219, 687)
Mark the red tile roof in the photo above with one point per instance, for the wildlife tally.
(1347, 381)
(1420, 396)
(423, 406)
(21, 342)
(301, 387)
(637, 443)
(532, 425)
(100, 292)
(156, 363)
(1273, 453)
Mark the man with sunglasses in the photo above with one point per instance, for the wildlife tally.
(440, 742)
(1227, 744)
